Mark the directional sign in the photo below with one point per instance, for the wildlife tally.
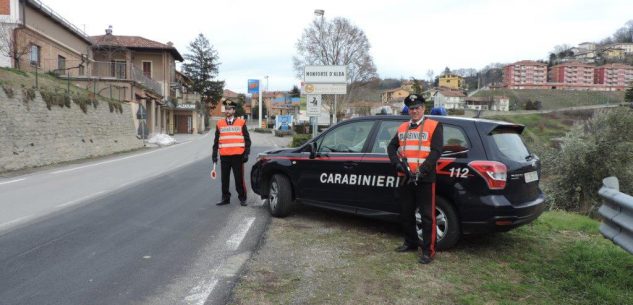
(325, 74)
(325, 89)
(314, 104)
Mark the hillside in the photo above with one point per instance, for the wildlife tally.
(555, 99)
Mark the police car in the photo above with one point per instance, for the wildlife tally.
(487, 180)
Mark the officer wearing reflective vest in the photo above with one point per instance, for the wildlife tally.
(233, 143)
(414, 152)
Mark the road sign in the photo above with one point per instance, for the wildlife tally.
(314, 104)
(325, 74)
(309, 88)
(253, 86)
(141, 114)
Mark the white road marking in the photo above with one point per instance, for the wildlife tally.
(236, 239)
(79, 199)
(199, 294)
(110, 161)
(17, 220)
(12, 181)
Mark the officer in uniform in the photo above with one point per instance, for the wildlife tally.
(233, 143)
(414, 152)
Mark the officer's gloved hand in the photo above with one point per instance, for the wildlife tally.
(424, 172)
(245, 158)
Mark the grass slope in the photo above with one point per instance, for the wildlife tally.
(556, 99)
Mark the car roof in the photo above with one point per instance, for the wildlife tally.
(485, 125)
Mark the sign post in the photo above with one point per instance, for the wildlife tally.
(314, 109)
(324, 80)
(253, 87)
(141, 116)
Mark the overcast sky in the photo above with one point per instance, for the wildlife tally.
(257, 38)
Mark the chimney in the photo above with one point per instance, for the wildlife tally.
(109, 30)
(169, 43)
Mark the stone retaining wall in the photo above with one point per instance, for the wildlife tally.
(31, 135)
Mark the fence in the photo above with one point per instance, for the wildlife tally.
(617, 213)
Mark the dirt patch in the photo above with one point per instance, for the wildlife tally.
(318, 257)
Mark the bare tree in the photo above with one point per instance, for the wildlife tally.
(336, 42)
(12, 45)
(430, 74)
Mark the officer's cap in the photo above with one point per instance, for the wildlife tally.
(229, 104)
(414, 100)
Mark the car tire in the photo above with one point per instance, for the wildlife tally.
(447, 224)
(279, 196)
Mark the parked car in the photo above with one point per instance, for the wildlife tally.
(488, 181)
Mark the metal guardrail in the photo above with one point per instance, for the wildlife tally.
(617, 213)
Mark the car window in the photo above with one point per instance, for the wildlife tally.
(454, 139)
(386, 132)
(510, 145)
(348, 138)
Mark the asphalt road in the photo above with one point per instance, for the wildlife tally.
(158, 239)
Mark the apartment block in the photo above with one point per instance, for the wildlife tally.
(572, 73)
(616, 75)
(525, 74)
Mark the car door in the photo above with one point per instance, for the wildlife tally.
(452, 168)
(329, 177)
(379, 183)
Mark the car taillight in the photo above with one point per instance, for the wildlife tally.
(495, 173)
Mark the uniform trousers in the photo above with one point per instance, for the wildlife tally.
(237, 164)
(422, 197)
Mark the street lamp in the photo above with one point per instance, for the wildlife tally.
(319, 13)
(266, 77)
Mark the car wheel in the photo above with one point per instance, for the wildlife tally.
(446, 224)
(279, 196)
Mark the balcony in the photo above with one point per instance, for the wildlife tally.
(118, 70)
(140, 77)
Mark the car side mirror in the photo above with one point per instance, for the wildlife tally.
(312, 149)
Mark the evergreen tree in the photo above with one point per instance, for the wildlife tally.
(295, 92)
(628, 95)
(201, 65)
(417, 88)
(239, 109)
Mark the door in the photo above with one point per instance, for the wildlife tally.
(381, 196)
(332, 177)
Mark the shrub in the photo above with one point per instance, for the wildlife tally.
(8, 90)
(590, 152)
(456, 111)
(53, 98)
(300, 139)
(262, 130)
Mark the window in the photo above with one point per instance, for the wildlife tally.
(147, 68)
(117, 69)
(387, 131)
(61, 63)
(454, 139)
(510, 146)
(35, 55)
(348, 138)
(82, 70)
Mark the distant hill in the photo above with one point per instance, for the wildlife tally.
(555, 99)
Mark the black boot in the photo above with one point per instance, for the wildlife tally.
(425, 259)
(406, 248)
(223, 202)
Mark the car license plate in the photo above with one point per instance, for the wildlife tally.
(531, 177)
